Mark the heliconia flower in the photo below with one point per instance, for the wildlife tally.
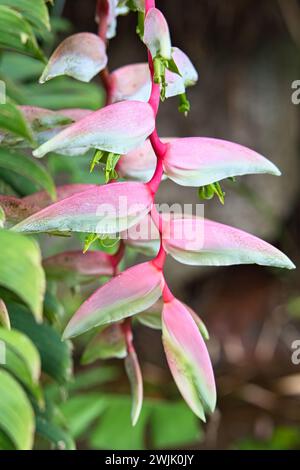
(117, 128)
(46, 123)
(143, 237)
(131, 82)
(108, 343)
(114, 10)
(188, 358)
(126, 294)
(80, 56)
(75, 266)
(176, 84)
(202, 242)
(4, 317)
(157, 35)
(139, 164)
(42, 199)
(40, 118)
(200, 323)
(102, 209)
(199, 161)
(185, 67)
(134, 374)
(74, 113)
(152, 318)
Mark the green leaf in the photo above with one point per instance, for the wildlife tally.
(21, 270)
(16, 33)
(16, 366)
(24, 349)
(55, 354)
(81, 411)
(21, 186)
(16, 414)
(64, 92)
(5, 442)
(115, 431)
(93, 377)
(19, 67)
(53, 308)
(53, 433)
(12, 120)
(37, 15)
(29, 168)
(173, 424)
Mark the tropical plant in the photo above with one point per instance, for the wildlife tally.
(122, 139)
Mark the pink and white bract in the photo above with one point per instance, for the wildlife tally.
(188, 358)
(128, 129)
(117, 128)
(80, 56)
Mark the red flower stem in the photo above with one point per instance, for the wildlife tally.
(167, 294)
(159, 149)
(107, 85)
(102, 11)
(117, 257)
(149, 4)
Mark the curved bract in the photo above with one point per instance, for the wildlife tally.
(202, 242)
(117, 128)
(131, 82)
(157, 35)
(199, 161)
(188, 358)
(80, 56)
(103, 209)
(130, 292)
(76, 265)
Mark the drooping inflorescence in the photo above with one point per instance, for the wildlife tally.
(124, 138)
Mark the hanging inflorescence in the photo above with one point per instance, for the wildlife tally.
(125, 142)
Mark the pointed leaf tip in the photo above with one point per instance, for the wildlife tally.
(201, 242)
(188, 358)
(199, 161)
(134, 374)
(102, 209)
